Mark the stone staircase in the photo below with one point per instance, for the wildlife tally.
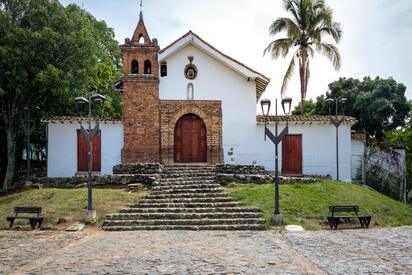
(186, 198)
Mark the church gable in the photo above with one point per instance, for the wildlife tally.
(211, 80)
(194, 40)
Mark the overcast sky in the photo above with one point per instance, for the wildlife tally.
(377, 34)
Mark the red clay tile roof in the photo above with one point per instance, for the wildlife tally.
(300, 118)
(75, 119)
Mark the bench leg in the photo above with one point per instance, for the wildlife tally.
(367, 221)
(333, 222)
(362, 222)
(40, 222)
(337, 222)
(10, 221)
(33, 223)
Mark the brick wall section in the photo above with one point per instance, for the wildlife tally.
(141, 120)
(141, 102)
(210, 111)
(140, 53)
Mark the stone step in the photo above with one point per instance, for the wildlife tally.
(187, 191)
(182, 182)
(184, 222)
(198, 178)
(183, 216)
(187, 200)
(188, 227)
(185, 186)
(189, 170)
(186, 174)
(186, 204)
(184, 195)
(191, 210)
(178, 167)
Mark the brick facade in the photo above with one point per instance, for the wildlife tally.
(149, 123)
(210, 111)
(141, 99)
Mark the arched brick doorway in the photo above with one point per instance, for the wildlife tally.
(190, 140)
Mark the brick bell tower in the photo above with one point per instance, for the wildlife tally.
(141, 123)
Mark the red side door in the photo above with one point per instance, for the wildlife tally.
(82, 152)
(292, 155)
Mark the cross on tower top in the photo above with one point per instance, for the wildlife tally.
(141, 8)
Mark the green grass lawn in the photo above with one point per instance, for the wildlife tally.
(307, 205)
(66, 203)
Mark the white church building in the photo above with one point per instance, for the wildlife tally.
(191, 103)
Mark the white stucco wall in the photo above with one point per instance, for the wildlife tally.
(389, 160)
(318, 149)
(357, 159)
(216, 81)
(62, 148)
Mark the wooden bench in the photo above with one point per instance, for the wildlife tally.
(34, 220)
(335, 220)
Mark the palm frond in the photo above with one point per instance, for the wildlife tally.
(321, 17)
(279, 47)
(293, 30)
(335, 31)
(283, 24)
(310, 51)
(292, 6)
(318, 4)
(288, 75)
(331, 52)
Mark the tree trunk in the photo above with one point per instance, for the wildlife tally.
(11, 156)
(302, 86)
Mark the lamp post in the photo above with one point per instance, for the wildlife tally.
(29, 125)
(81, 105)
(276, 139)
(336, 121)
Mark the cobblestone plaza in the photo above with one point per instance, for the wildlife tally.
(386, 251)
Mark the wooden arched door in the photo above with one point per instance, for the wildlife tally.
(190, 140)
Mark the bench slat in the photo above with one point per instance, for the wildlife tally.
(36, 210)
(344, 208)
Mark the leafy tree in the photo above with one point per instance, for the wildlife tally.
(49, 54)
(311, 107)
(378, 104)
(403, 137)
(310, 22)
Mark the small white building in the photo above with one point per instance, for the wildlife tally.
(391, 160)
(191, 103)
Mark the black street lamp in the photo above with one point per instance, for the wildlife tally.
(276, 139)
(336, 121)
(81, 105)
(29, 125)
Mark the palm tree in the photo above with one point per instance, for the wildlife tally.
(309, 23)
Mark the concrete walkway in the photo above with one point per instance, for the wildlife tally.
(386, 251)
